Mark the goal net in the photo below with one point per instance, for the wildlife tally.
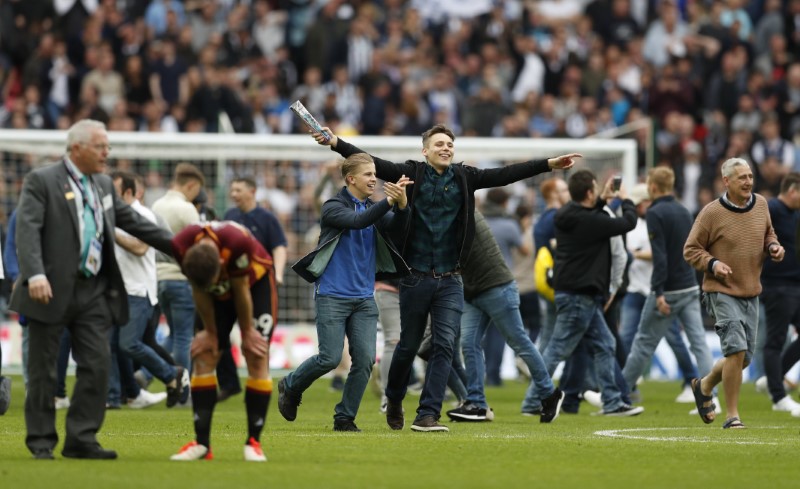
(293, 174)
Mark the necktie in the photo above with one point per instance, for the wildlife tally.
(89, 224)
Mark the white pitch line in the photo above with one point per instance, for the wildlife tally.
(623, 433)
(398, 435)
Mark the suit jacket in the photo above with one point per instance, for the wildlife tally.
(48, 242)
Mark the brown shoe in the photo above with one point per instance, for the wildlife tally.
(428, 423)
(394, 415)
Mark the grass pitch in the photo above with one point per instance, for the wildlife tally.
(663, 447)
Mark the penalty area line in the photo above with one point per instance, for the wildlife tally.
(634, 434)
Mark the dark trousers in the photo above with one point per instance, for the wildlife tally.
(88, 319)
(63, 363)
(782, 307)
(442, 299)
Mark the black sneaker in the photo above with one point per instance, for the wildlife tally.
(624, 410)
(181, 389)
(552, 406)
(337, 383)
(428, 424)
(394, 415)
(345, 425)
(287, 401)
(468, 412)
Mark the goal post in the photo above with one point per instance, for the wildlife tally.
(287, 169)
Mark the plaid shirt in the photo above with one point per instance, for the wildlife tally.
(436, 211)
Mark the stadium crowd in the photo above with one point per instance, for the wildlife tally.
(720, 81)
(719, 77)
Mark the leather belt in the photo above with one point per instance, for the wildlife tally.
(435, 274)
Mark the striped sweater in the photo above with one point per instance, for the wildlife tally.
(737, 237)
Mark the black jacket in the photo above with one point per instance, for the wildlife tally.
(469, 180)
(338, 216)
(583, 251)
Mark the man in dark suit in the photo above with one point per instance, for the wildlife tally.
(69, 278)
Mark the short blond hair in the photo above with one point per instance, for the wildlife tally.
(663, 178)
(352, 162)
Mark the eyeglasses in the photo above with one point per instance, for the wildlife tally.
(100, 147)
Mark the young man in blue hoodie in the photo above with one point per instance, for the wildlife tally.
(353, 249)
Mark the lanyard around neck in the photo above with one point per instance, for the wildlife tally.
(85, 194)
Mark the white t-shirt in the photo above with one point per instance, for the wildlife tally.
(640, 271)
(139, 272)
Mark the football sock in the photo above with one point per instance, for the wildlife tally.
(204, 398)
(256, 400)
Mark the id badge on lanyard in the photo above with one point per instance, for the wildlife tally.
(93, 257)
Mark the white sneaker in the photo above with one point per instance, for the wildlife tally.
(489, 414)
(193, 451)
(384, 402)
(787, 405)
(62, 403)
(253, 451)
(763, 388)
(796, 413)
(146, 399)
(761, 385)
(594, 398)
(686, 396)
(717, 408)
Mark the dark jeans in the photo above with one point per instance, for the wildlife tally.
(782, 306)
(442, 299)
(494, 346)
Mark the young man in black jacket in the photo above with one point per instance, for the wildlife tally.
(581, 282)
(353, 250)
(435, 244)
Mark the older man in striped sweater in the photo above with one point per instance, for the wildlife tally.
(729, 242)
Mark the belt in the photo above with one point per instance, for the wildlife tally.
(435, 274)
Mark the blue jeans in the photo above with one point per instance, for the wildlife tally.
(131, 340)
(500, 306)
(580, 317)
(120, 377)
(337, 317)
(442, 299)
(684, 306)
(494, 346)
(175, 299)
(548, 324)
(632, 306)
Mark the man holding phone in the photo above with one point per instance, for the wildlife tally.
(582, 280)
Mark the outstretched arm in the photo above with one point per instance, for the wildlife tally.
(385, 169)
(497, 177)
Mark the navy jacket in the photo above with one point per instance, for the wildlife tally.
(669, 224)
(338, 215)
